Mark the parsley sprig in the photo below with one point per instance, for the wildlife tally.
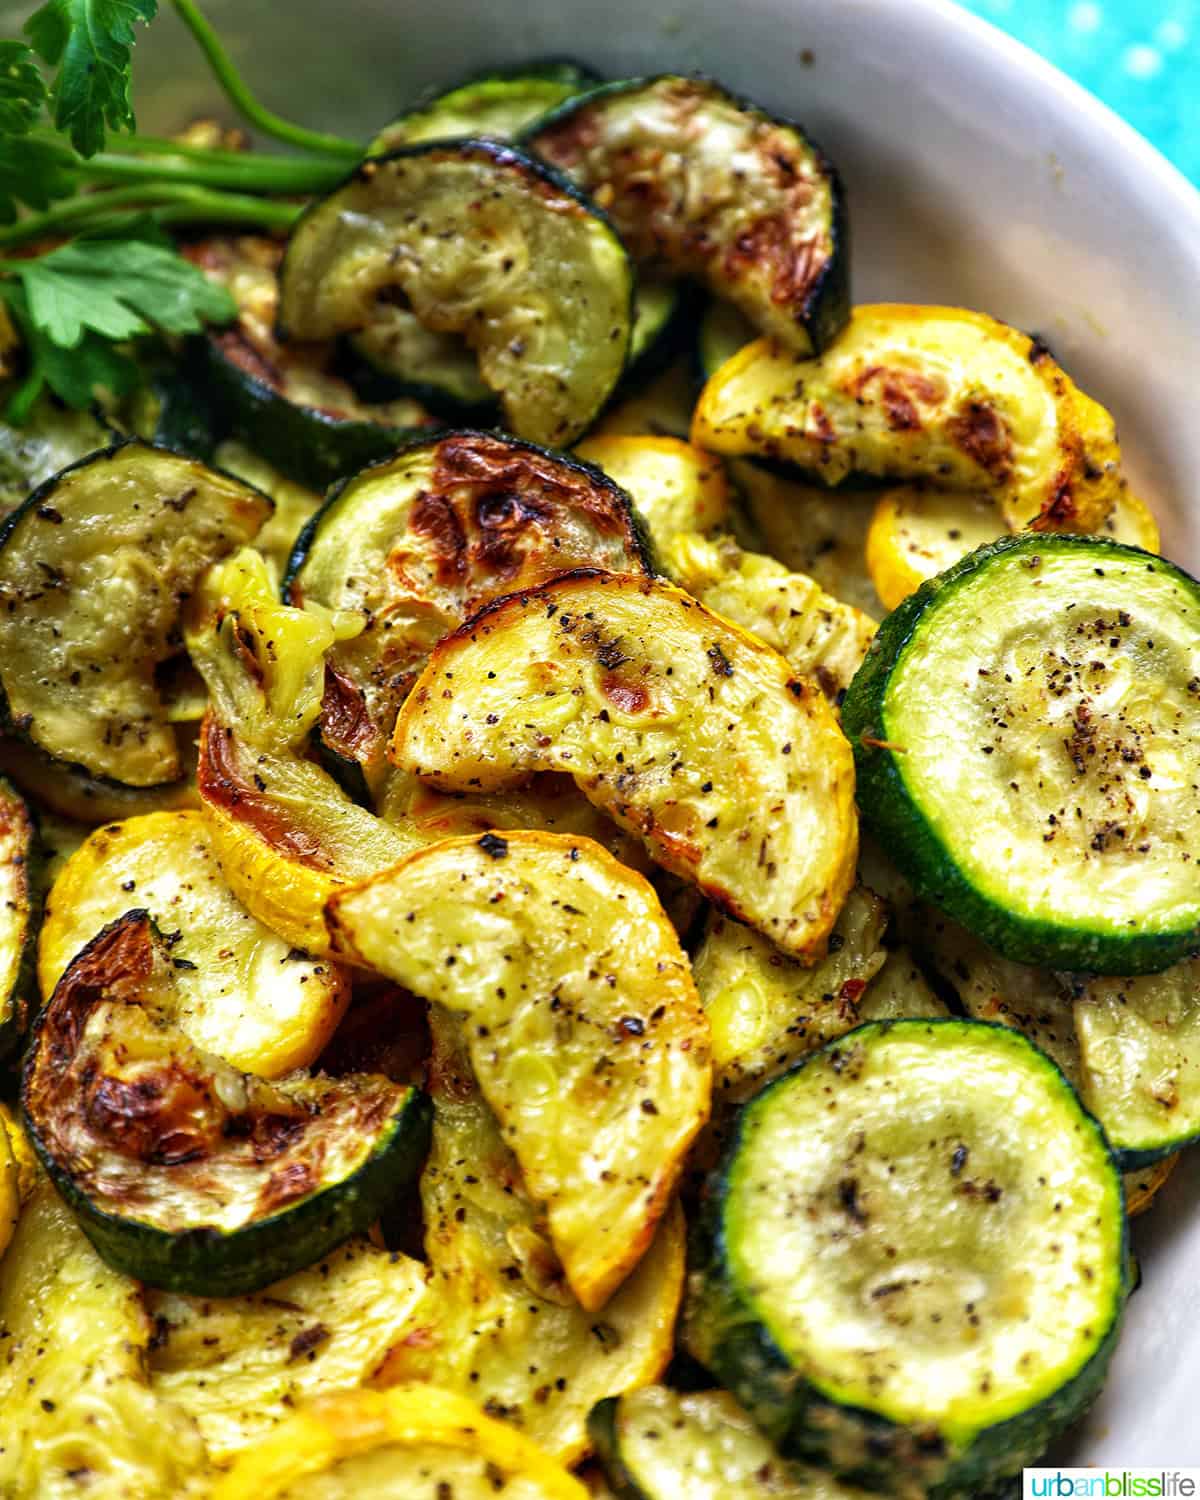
(73, 164)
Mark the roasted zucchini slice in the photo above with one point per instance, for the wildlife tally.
(673, 721)
(484, 241)
(241, 992)
(944, 1348)
(713, 188)
(766, 1011)
(1139, 1046)
(50, 439)
(239, 1366)
(181, 1170)
(498, 103)
(938, 394)
(415, 544)
(1021, 737)
(71, 793)
(812, 530)
(93, 571)
(20, 902)
(414, 1442)
(675, 487)
(285, 833)
(917, 532)
(288, 401)
(657, 1444)
(498, 1322)
(818, 636)
(81, 1421)
(583, 1025)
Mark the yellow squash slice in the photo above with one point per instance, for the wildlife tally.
(79, 1419)
(767, 1011)
(676, 488)
(239, 1365)
(917, 532)
(582, 1023)
(410, 1443)
(1143, 1186)
(898, 991)
(21, 1150)
(818, 636)
(498, 1322)
(673, 721)
(245, 994)
(941, 394)
(1132, 521)
(294, 503)
(10, 1189)
(285, 833)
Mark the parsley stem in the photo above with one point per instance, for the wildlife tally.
(170, 203)
(260, 117)
(239, 171)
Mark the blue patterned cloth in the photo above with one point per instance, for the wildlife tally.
(1142, 57)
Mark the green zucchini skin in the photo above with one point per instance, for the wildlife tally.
(895, 819)
(22, 870)
(202, 1260)
(304, 443)
(827, 304)
(602, 1430)
(724, 1331)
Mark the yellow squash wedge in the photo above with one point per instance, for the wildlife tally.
(676, 488)
(817, 635)
(410, 1443)
(672, 720)
(285, 833)
(498, 1322)
(10, 1190)
(582, 1022)
(239, 1365)
(940, 394)
(1132, 521)
(918, 532)
(245, 994)
(79, 1419)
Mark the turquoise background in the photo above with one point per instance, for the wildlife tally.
(1142, 57)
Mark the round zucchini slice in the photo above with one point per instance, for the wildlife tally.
(410, 1443)
(416, 544)
(714, 188)
(484, 241)
(289, 402)
(497, 104)
(658, 1444)
(182, 1171)
(939, 394)
(1024, 734)
(241, 991)
(913, 1264)
(93, 571)
(69, 792)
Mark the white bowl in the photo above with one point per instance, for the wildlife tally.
(976, 174)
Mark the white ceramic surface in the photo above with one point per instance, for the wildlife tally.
(976, 174)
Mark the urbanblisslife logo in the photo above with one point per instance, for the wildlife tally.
(1119, 1483)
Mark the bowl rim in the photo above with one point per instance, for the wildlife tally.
(1022, 60)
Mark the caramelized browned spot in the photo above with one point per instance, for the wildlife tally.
(983, 435)
(629, 697)
(223, 783)
(165, 1116)
(295, 1179)
(434, 519)
(346, 725)
(901, 393)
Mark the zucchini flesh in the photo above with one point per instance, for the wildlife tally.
(1044, 692)
(50, 439)
(483, 241)
(416, 544)
(289, 402)
(939, 394)
(716, 189)
(585, 981)
(93, 569)
(182, 1171)
(20, 899)
(656, 1444)
(498, 1322)
(241, 991)
(497, 105)
(439, 369)
(742, 778)
(943, 1348)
